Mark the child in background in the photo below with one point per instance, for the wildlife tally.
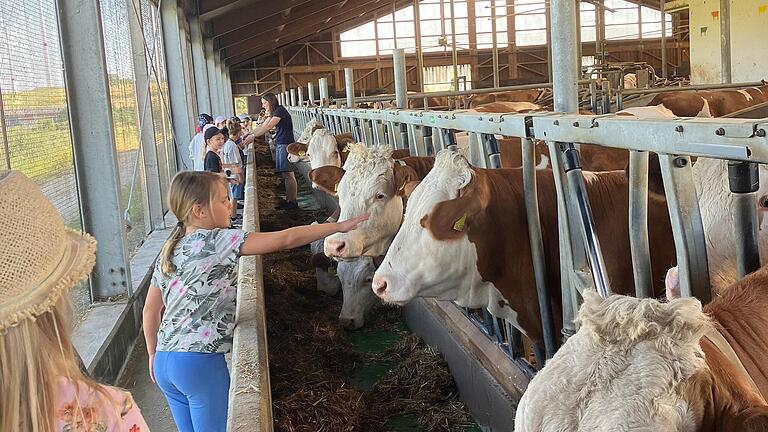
(214, 141)
(189, 314)
(230, 155)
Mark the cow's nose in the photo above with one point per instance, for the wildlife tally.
(379, 286)
(334, 248)
(347, 323)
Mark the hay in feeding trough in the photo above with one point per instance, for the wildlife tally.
(311, 356)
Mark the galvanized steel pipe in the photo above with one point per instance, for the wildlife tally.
(744, 182)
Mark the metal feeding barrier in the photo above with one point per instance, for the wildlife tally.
(675, 140)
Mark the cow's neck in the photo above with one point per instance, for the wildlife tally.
(742, 312)
(500, 234)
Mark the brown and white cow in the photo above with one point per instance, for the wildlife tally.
(644, 365)
(371, 181)
(716, 103)
(531, 95)
(464, 238)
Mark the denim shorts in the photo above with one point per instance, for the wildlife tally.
(282, 164)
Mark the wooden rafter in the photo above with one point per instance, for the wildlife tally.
(259, 15)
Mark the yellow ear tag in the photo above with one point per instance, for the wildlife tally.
(460, 223)
(345, 149)
(402, 187)
(336, 187)
(301, 153)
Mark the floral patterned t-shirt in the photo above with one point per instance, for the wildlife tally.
(199, 298)
(81, 408)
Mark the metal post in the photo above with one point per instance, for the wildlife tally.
(153, 196)
(301, 96)
(212, 87)
(349, 84)
(593, 95)
(565, 76)
(537, 246)
(324, 96)
(495, 51)
(177, 83)
(744, 182)
(311, 93)
(199, 65)
(230, 101)
(725, 40)
(419, 48)
(638, 223)
(219, 82)
(606, 92)
(293, 97)
(685, 217)
(454, 52)
(96, 169)
(401, 90)
(663, 40)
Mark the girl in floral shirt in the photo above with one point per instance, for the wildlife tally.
(189, 315)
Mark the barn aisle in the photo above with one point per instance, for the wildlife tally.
(323, 378)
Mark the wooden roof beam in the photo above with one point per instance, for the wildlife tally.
(307, 16)
(300, 29)
(210, 9)
(262, 14)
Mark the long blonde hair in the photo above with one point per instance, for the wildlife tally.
(187, 189)
(33, 355)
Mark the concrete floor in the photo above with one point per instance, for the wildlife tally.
(148, 397)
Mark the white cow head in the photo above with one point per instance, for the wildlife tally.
(419, 265)
(369, 184)
(323, 149)
(356, 277)
(629, 367)
(307, 132)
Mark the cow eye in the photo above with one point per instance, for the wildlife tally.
(369, 280)
(380, 196)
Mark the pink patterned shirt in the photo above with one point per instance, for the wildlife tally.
(80, 408)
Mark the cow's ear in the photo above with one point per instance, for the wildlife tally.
(449, 220)
(344, 140)
(409, 187)
(327, 178)
(297, 149)
(401, 154)
(403, 175)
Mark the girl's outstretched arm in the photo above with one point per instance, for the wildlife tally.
(259, 243)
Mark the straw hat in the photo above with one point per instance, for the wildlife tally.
(42, 259)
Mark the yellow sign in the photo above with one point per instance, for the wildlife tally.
(762, 9)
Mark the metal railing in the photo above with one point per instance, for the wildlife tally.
(675, 140)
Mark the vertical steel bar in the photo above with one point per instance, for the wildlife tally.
(301, 97)
(638, 223)
(324, 96)
(293, 97)
(664, 66)
(495, 49)
(311, 93)
(685, 216)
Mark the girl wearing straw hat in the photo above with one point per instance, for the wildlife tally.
(41, 385)
(189, 315)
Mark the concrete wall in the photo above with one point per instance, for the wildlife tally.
(749, 52)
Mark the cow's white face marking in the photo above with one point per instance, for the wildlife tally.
(625, 369)
(418, 265)
(747, 96)
(307, 133)
(323, 150)
(368, 185)
(356, 276)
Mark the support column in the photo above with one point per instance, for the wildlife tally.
(301, 96)
(401, 80)
(177, 84)
(324, 101)
(96, 170)
(211, 66)
(153, 196)
(293, 97)
(199, 64)
(663, 39)
(226, 91)
(311, 93)
(725, 40)
(349, 82)
(219, 79)
(228, 88)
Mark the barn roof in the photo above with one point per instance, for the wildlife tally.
(245, 29)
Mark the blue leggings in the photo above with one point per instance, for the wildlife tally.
(196, 386)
